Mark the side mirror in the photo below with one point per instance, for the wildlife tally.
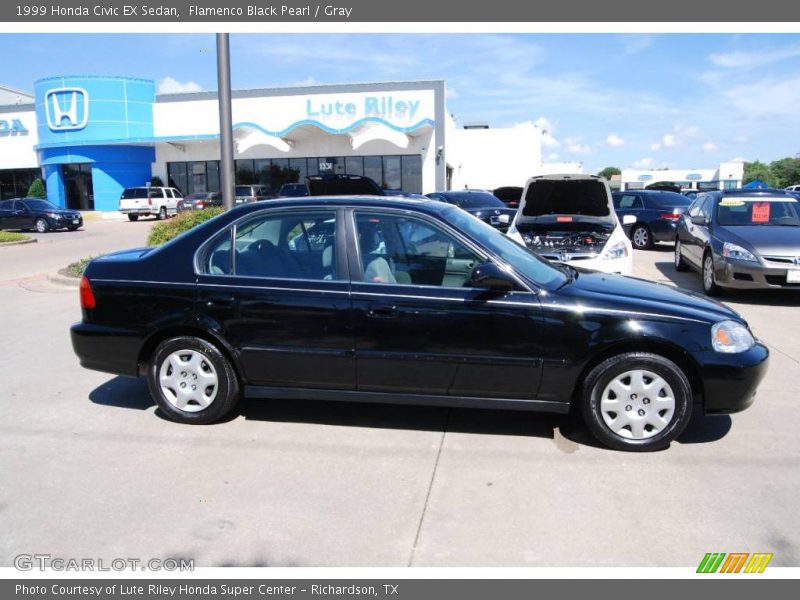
(699, 220)
(489, 276)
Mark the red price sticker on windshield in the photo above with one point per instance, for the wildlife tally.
(760, 212)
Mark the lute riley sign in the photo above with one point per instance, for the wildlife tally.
(383, 107)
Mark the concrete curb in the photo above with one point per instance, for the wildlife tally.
(19, 243)
(60, 279)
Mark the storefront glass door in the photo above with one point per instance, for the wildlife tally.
(78, 186)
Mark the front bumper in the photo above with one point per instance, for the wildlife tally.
(748, 275)
(62, 222)
(730, 380)
(618, 266)
(108, 349)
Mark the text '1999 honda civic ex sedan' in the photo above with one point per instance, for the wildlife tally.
(407, 301)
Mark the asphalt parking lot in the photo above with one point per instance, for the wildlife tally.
(89, 469)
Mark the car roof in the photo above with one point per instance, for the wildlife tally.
(429, 206)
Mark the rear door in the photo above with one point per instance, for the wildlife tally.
(277, 286)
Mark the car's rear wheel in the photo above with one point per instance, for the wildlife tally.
(192, 381)
(41, 225)
(680, 264)
(133, 217)
(641, 238)
(636, 401)
(710, 286)
(162, 213)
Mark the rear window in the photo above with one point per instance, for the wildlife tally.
(670, 200)
(344, 186)
(132, 193)
(566, 197)
(244, 190)
(474, 200)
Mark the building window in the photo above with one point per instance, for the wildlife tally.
(373, 168)
(731, 184)
(412, 173)
(392, 173)
(634, 185)
(14, 183)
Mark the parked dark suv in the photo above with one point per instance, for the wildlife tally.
(34, 213)
(657, 214)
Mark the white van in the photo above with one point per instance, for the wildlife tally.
(571, 219)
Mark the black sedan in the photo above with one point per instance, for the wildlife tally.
(657, 214)
(481, 204)
(199, 201)
(410, 302)
(36, 214)
(743, 239)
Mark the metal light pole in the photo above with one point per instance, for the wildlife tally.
(225, 120)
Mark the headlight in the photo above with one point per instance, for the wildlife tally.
(731, 337)
(618, 250)
(52, 215)
(737, 252)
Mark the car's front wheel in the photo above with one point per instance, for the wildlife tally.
(710, 286)
(192, 381)
(636, 401)
(41, 225)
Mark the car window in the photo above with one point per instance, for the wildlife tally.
(694, 208)
(398, 249)
(296, 245)
(705, 207)
(156, 193)
(758, 211)
(629, 201)
(243, 190)
(19, 205)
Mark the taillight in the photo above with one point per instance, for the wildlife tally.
(87, 295)
(670, 216)
(199, 205)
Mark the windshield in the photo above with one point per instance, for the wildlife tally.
(244, 190)
(758, 211)
(525, 262)
(474, 200)
(40, 205)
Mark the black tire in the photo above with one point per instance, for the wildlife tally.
(641, 238)
(604, 373)
(73, 228)
(162, 213)
(710, 286)
(133, 217)
(680, 264)
(41, 225)
(228, 389)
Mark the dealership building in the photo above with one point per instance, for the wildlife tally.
(727, 176)
(90, 137)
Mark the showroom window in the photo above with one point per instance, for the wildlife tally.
(14, 183)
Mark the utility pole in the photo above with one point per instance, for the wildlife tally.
(225, 120)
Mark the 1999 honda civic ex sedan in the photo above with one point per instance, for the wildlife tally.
(371, 299)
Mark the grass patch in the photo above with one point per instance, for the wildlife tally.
(76, 269)
(164, 231)
(12, 236)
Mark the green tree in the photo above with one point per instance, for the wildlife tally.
(37, 189)
(155, 181)
(786, 171)
(758, 170)
(609, 171)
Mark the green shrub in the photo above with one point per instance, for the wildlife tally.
(156, 181)
(37, 189)
(163, 232)
(12, 236)
(76, 269)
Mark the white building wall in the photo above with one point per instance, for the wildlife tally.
(492, 158)
(727, 171)
(16, 149)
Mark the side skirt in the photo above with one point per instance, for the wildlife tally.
(277, 393)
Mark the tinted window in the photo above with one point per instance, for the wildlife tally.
(629, 201)
(132, 193)
(156, 193)
(243, 190)
(669, 200)
(406, 250)
(295, 245)
(695, 207)
(39, 205)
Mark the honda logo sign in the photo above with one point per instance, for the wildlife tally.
(67, 108)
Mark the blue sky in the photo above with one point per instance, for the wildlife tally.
(668, 100)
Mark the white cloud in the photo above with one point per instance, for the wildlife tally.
(547, 127)
(168, 85)
(643, 163)
(710, 147)
(635, 43)
(680, 135)
(614, 140)
(744, 60)
(576, 146)
(738, 159)
(769, 97)
(306, 82)
(450, 93)
(741, 139)
(553, 156)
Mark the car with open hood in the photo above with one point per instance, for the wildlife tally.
(571, 219)
(741, 239)
(369, 299)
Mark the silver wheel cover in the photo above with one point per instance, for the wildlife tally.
(677, 253)
(640, 236)
(708, 272)
(637, 404)
(188, 380)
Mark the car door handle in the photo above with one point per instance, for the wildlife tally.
(220, 301)
(382, 311)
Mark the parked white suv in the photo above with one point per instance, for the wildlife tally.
(159, 202)
(571, 219)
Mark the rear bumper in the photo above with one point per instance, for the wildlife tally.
(138, 211)
(108, 349)
(747, 275)
(663, 230)
(730, 380)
